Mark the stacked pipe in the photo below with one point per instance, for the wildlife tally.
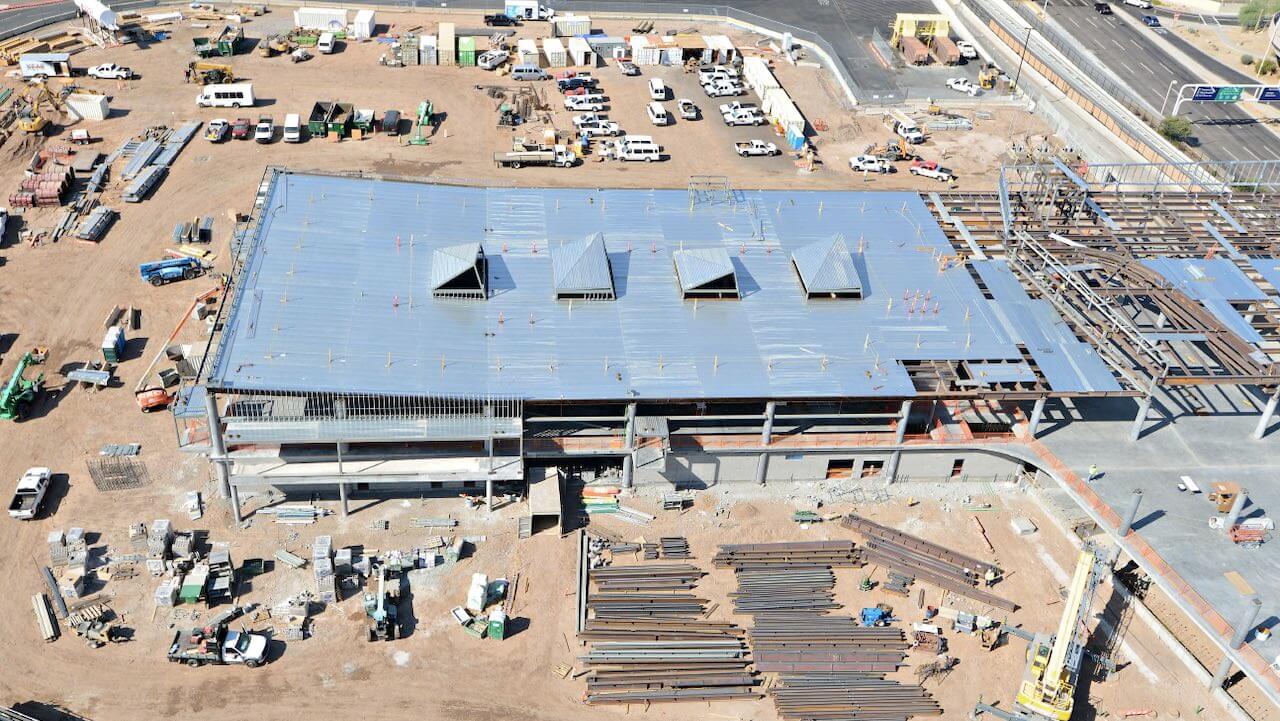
(916, 557)
(648, 642)
(43, 189)
(827, 667)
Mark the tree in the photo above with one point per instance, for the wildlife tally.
(1176, 128)
(1257, 13)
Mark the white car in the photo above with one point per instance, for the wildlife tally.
(688, 111)
(586, 103)
(31, 489)
(870, 164)
(1138, 4)
(739, 114)
(110, 71)
(657, 89)
(599, 127)
(930, 169)
(967, 50)
(962, 85)
(749, 148)
(719, 72)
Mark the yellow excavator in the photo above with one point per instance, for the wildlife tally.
(38, 97)
(1048, 685)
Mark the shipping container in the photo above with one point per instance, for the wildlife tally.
(557, 57)
(721, 49)
(570, 25)
(580, 52)
(527, 49)
(609, 46)
(644, 50)
(758, 76)
(362, 27)
(447, 47)
(914, 51)
(467, 51)
(332, 19)
(427, 49)
(945, 51)
(89, 106)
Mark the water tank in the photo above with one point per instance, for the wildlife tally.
(103, 15)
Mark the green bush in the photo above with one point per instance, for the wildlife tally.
(1246, 59)
(1268, 67)
(1176, 128)
(1257, 13)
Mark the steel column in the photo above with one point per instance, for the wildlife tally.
(628, 461)
(1247, 619)
(217, 448)
(902, 423)
(891, 473)
(1237, 507)
(766, 435)
(1037, 413)
(342, 494)
(235, 504)
(762, 468)
(1131, 513)
(488, 493)
(1141, 418)
(1267, 414)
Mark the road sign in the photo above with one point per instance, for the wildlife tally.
(1205, 93)
(1229, 94)
(1269, 95)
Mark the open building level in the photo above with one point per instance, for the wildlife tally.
(383, 336)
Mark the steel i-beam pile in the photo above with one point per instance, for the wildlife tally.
(649, 642)
(926, 561)
(827, 667)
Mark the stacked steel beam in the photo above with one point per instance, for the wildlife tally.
(929, 562)
(649, 643)
(827, 667)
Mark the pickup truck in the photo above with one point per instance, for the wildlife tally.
(930, 169)
(492, 59)
(498, 20)
(756, 147)
(736, 113)
(110, 71)
(242, 129)
(218, 645)
(216, 131)
(963, 85)
(968, 50)
(265, 131)
(870, 164)
(31, 489)
(558, 156)
(723, 88)
(593, 103)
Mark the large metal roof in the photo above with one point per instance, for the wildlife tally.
(331, 296)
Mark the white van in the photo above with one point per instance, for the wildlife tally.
(906, 128)
(636, 147)
(657, 89)
(293, 128)
(235, 95)
(528, 72)
(658, 114)
(326, 43)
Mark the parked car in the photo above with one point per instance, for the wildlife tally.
(968, 50)
(930, 169)
(870, 164)
(242, 129)
(498, 20)
(30, 493)
(688, 111)
(606, 128)
(736, 113)
(628, 68)
(755, 147)
(1151, 21)
(110, 71)
(265, 131)
(707, 74)
(579, 81)
(216, 131)
(492, 59)
(657, 89)
(963, 85)
(1143, 4)
(1102, 8)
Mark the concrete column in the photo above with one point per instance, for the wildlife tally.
(766, 435)
(1141, 418)
(342, 494)
(902, 427)
(1037, 413)
(891, 473)
(629, 444)
(1131, 513)
(1248, 618)
(488, 493)
(1267, 413)
(762, 468)
(217, 449)
(1237, 507)
(235, 504)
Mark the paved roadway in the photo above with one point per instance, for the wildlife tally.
(1224, 132)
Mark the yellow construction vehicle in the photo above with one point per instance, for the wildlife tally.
(205, 73)
(38, 97)
(1053, 662)
(273, 45)
(988, 76)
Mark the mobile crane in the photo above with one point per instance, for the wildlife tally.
(1053, 662)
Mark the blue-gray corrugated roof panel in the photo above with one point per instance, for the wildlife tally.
(582, 266)
(1069, 365)
(827, 267)
(1203, 279)
(700, 266)
(333, 296)
(988, 373)
(1269, 269)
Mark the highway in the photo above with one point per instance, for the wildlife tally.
(1223, 132)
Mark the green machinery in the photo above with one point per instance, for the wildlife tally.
(382, 607)
(20, 391)
(425, 114)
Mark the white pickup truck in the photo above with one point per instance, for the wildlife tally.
(30, 494)
(930, 169)
(755, 147)
(870, 164)
(736, 113)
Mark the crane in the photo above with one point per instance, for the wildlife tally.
(20, 390)
(1048, 684)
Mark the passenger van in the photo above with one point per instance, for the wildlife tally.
(637, 147)
(293, 128)
(658, 114)
(528, 72)
(236, 95)
(657, 89)
(326, 43)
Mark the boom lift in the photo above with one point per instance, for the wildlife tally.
(425, 113)
(382, 607)
(1053, 662)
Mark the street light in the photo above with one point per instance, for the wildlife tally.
(1022, 57)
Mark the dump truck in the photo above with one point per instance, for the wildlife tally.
(524, 153)
(945, 51)
(913, 50)
(166, 271)
(206, 73)
(218, 645)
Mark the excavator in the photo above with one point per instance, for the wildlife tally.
(20, 391)
(38, 97)
(1048, 685)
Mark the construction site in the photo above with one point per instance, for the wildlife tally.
(431, 399)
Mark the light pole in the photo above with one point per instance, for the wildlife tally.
(1022, 58)
(1166, 96)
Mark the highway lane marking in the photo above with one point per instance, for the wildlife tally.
(1144, 67)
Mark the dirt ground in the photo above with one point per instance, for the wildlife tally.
(57, 295)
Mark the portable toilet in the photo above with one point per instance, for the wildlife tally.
(497, 624)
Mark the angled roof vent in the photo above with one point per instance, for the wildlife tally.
(459, 271)
(581, 270)
(826, 269)
(705, 273)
